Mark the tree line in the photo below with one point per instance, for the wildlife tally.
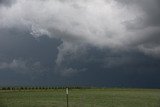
(41, 88)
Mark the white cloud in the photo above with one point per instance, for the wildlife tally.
(97, 22)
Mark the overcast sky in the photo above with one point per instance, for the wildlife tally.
(80, 42)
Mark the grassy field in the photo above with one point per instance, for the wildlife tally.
(81, 98)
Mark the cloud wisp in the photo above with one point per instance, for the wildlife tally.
(22, 66)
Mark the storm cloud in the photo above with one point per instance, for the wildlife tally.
(104, 23)
(7, 2)
(108, 34)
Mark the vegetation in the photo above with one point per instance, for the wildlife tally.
(78, 97)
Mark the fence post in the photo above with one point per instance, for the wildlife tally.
(67, 96)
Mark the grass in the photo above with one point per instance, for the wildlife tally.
(81, 98)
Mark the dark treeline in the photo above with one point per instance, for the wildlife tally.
(41, 88)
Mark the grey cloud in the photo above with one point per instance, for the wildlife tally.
(150, 8)
(22, 66)
(68, 53)
(7, 2)
(150, 50)
(147, 27)
(97, 26)
(67, 72)
(68, 49)
(13, 65)
(37, 55)
(116, 24)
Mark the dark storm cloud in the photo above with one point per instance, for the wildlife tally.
(111, 24)
(108, 68)
(150, 7)
(24, 59)
(91, 42)
(148, 25)
(7, 2)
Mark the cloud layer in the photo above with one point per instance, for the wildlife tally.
(118, 26)
(101, 23)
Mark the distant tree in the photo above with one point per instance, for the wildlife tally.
(25, 88)
(43, 88)
(36, 87)
(8, 88)
(46, 88)
(21, 88)
(13, 88)
(33, 88)
(3, 88)
(40, 88)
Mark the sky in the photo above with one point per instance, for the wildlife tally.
(103, 43)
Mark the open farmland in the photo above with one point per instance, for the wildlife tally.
(81, 98)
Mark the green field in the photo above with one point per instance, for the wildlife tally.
(81, 98)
